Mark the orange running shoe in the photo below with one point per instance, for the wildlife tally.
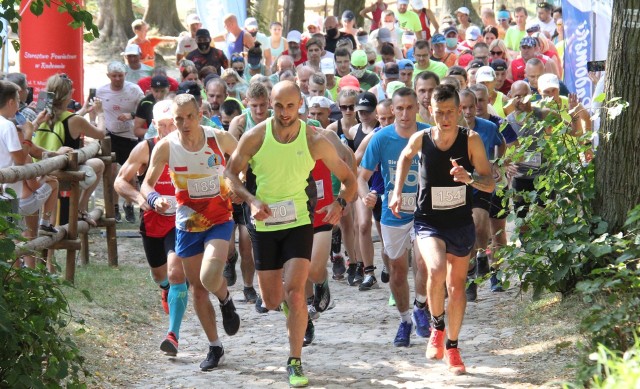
(454, 361)
(165, 300)
(435, 346)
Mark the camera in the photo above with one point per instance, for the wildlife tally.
(74, 106)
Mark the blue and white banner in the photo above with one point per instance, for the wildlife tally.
(587, 26)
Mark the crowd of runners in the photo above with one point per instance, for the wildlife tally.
(296, 144)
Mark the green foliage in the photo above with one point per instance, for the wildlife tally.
(561, 241)
(37, 351)
(81, 17)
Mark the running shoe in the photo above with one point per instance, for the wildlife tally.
(384, 275)
(321, 296)
(483, 265)
(435, 346)
(496, 284)
(297, 379)
(229, 271)
(165, 300)
(129, 214)
(47, 230)
(369, 283)
(250, 295)
(359, 278)
(230, 318)
(338, 266)
(215, 357)
(421, 321)
(351, 274)
(392, 300)
(309, 334)
(454, 361)
(117, 214)
(170, 345)
(260, 308)
(403, 336)
(472, 291)
(313, 313)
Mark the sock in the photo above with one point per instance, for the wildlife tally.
(45, 222)
(293, 359)
(471, 273)
(438, 321)
(369, 269)
(451, 344)
(164, 284)
(216, 343)
(406, 316)
(336, 241)
(418, 304)
(178, 300)
(226, 299)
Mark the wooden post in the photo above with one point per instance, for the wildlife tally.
(107, 191)
(72, 233)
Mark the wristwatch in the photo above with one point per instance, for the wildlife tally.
(472, 179)
(341, 201)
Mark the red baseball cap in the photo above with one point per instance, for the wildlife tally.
(349, 82)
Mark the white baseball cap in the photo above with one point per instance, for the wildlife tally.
(251, 24)
(294, 36)
(485, 74)
(320, 101)
(463, 10)
(405, 2)
(132, 49)
(193, 19)
(548, 80)
(417, 4)
(327, 66)
(162, 110)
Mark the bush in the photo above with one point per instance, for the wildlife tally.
(37, 352)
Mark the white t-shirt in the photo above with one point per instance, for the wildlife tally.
(9, 142)
(549, 26)
(115, 103)
(186, 44)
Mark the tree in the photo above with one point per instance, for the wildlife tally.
(449, 7)
(617, 161)
(163, 15)
(265, 12)
(293, 15)
(354, 5)
(115, 21)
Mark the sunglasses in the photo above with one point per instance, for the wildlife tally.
(496, 52)
(503, 20)
(372, 61)
(351, 107)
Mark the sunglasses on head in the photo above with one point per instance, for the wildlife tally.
(350, 107)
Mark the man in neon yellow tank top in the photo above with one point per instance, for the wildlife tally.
(282, 153)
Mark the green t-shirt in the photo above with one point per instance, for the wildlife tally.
(409, 21)
(434, 66)
(513, 37)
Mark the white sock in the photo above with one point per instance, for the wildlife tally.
(216, 343)
(421, 299)
(406, 316)
(44, 222)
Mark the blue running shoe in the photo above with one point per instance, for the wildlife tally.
(403, 337)
(421, 321)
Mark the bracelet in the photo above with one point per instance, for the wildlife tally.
(27, 142)
(151, 199)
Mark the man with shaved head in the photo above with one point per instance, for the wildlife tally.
(281, 152)
(235, 37)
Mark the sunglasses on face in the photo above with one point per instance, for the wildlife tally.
(351, 107)
(503, 20)
(496, 52)
(372, 61)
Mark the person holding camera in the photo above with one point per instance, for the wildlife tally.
(26, 108)
(63, 132)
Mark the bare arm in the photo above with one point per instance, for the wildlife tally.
(139, 127)
(404, 164)
(159, 158)
(433, 20)
(137, 160)
(227, 142)
(236, 127)
(482, 177)
(365, 11)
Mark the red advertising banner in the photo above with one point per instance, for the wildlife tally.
(48, 45)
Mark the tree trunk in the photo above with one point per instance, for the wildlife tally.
(449, 7)
(115, 21)
(163, 15)
(354, 5)
(265, 11)
(293, 15)
(617, 161)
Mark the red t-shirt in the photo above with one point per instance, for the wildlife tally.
(303, 56)
(518, 65)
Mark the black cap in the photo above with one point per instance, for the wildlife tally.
(159, 82)
(366, 101)
(190, 87)
(391, 70)
(203, 33)
(475, 64)
(348, 15)
(498, 64)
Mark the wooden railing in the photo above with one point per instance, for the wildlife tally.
(73, 236)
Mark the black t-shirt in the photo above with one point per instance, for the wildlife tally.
(214, 57)
(145, 109)
(332, 42)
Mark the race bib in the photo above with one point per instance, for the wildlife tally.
(320, 189)
(448, 197)
(173, 205)
(408, 204)
(282, 212)
(532, 159)
(203, 188)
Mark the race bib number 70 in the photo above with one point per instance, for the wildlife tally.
(282, 212)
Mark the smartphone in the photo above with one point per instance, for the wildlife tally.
(43, 100)
(29, 95)
(595, 66)
(92, 94)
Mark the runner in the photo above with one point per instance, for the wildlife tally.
(282, 153)
(451, 156)
(195, 155)
(158, 229)
(397, 230)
